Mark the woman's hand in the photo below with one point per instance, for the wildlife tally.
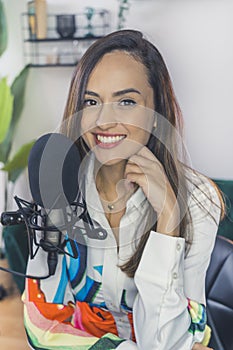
(146, 171)
(198, 346)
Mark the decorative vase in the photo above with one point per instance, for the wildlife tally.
(66, 26)
(41, 19)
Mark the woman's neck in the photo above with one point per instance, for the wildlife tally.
(110, 179)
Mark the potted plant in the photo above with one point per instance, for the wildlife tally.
(11, 106)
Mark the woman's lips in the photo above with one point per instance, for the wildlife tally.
(108, 140)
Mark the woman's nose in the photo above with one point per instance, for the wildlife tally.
(106, 117)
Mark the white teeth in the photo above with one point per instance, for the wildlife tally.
(109, 139)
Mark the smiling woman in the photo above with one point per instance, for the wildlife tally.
(143, 287)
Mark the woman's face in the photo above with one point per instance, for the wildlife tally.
(118, 111)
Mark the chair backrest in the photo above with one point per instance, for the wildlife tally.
(225, 228)
(219, 295)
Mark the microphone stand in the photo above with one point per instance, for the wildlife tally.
(30, 214)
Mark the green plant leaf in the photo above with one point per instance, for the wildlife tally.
(6, 107)
(3, 29)
(19, 162)
(18, 91)
(5, 148)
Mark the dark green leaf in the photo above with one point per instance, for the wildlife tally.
(18, 91)
(19, 162)
(5, 148)
(3, 29)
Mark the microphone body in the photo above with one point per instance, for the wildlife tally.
(51, 240)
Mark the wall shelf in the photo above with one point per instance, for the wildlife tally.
(51, 65)
(93, 37)
(57, 51)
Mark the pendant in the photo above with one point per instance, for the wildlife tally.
(110, 206)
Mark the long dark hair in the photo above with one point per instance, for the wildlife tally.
(133, 42)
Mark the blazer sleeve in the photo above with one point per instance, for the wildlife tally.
(171, 285)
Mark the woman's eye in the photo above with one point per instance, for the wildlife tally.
(89, 102)
(127, 102)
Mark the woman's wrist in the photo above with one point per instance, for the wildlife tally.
(168, 224)
(169, 218)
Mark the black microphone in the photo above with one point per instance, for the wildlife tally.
(53, 169)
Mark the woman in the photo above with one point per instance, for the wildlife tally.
(144, 286)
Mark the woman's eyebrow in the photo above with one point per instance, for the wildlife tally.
(115, 94)
(92, 93)
(125, 91)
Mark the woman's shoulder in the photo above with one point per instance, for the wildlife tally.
(203, 193)
(200, 184)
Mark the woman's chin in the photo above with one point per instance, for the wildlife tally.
(109, 158)
(109, 161)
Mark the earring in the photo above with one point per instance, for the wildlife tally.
(155, 121)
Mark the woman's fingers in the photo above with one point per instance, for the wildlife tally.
(146, 153)
(146, 162)
(133, 168)
(146, 171)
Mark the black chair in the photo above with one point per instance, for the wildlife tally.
(219, 295)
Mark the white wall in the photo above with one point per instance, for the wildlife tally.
(195, 38)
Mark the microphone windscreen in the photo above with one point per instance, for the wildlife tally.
(53, 167)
